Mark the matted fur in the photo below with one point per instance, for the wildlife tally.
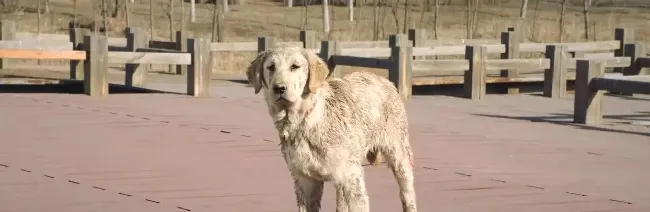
(328, 126)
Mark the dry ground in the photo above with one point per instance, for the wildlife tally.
(269, 18)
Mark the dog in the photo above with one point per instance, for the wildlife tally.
(327, 126)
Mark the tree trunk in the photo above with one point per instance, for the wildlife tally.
(127, 14)
(522, 19)
(424, 6)
(394, 9)
(351, 9)
(105, 16)
(469, 19)
(192, 11)
(564, 4)
(436, 15)
(305, 14)
(224, 6)
(406, 15)
(326, 18)
(74, 15)
(38, 17)
(151, 24)
(182, 15)
(171, 20)
(215, 22)
(586, 16)
(375, 21)
(533, 29)
(523, 10)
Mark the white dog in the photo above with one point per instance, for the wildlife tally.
(327, 127)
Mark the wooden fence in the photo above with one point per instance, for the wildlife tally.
(591, 83)
(96, 54)
(481, 57)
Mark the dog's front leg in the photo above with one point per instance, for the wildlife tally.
(308, 193)
(351, 193)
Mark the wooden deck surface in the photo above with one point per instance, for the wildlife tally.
(165, 152)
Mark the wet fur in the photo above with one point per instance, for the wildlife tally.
(334, 125)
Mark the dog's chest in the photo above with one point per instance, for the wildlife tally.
(305, 158)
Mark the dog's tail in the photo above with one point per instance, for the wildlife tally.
(374, 157)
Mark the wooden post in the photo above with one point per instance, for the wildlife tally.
(96, 65)
(474, 84)
(623, 36)
(135, 74)
(77, 39)
(327, 50)
(288, 3)
(308, 39)
(199, 72)
(400, 73)
(264, 43)
(511, 41)
(555, 78)
(634, 51)
(181, 46)
(399, 40)
(418, 38)
(8, 32)
(588, 101)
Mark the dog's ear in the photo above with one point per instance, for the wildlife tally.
(318, 71)
(254, 71)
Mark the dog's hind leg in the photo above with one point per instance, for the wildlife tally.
(308, 193)
(400, 160)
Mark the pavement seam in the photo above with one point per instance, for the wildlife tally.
(99, 188)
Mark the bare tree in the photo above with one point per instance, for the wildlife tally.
(562, 11)
(305, 13)
(182, 15)
(424, 7)
(224, 5)
(375, 21)
(406, 15)
(586, 16)
(38, 17)
(127, 13)
(326, 18)
(75, 12)
(171, 20)
(523, 10)
(534, 27)
(151, 25)
(351, 9)
(192, 11)
(394, 9)
(522, 18)
(217, 22)
(105, 16)
(436, 15)
(472, 18)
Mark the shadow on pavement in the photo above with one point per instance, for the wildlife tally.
(72, 87)
(567, 120)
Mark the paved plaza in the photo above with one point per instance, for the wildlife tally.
(169, 152)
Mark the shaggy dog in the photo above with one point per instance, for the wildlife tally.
(328, 126)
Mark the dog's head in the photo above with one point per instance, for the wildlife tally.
(287, 73)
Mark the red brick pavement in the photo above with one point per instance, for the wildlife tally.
(160, 152)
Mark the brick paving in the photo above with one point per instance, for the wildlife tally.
(165, 152)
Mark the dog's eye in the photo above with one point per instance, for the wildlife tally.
(271, 68)
(294, 67)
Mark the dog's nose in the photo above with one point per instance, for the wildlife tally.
(279, 89)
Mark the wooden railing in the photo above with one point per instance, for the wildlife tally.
(591, 83)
